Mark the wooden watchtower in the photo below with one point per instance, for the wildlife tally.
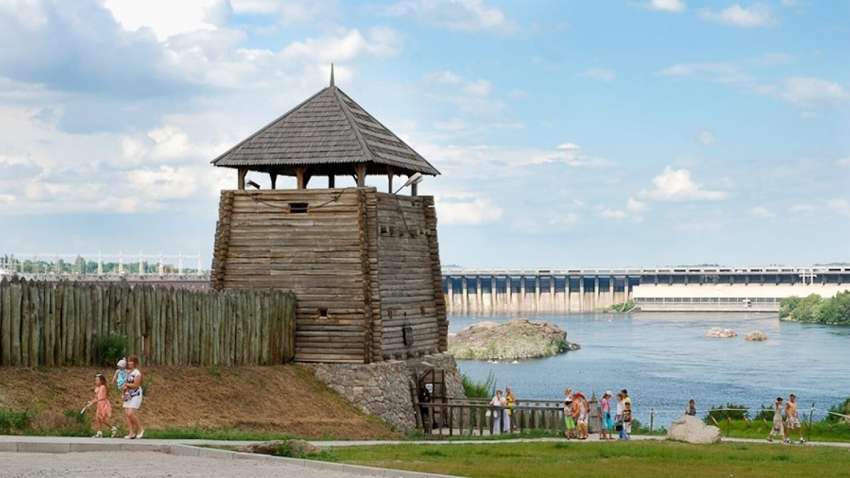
(364, 265)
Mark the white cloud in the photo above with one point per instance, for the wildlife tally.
(6, 199)
(287, 11)
(706, 137)
(719, 72)
(677, 185)
(843, 162)
(840, 206)
(808, 90)
(635, 205)
(462, 15)
(470, 96)
(674, 6)
(479, 88)
(613, 214)
(466, 209)
(566, 219)
(754, 16)
(167, 17)
(380, 42)
(762, 212)
(601, 74)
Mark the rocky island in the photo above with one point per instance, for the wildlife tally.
(517, 339)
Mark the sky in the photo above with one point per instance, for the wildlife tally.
(568, 133)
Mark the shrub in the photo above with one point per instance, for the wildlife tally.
(842, 408)
(108, 349)
(764, 413)
(473, 389)
(731, 411)
(14, 421)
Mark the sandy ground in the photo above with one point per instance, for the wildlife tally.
(146, 464)
(281, 399)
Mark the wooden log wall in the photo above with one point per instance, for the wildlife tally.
(58, 323)
(411, 294)
(320, 255)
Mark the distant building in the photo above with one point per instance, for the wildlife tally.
(364, 264)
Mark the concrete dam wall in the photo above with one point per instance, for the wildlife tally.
(756, 289)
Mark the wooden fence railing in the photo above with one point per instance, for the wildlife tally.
(60, 323)
(459, 416)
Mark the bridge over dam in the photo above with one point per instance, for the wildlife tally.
(756, 289)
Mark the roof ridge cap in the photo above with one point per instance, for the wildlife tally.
(348, 116)
(419, 156)
(269, 125)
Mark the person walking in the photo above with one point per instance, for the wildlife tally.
(103, 409)
(607, 419)
(582, 414)
(778, 428)
(133, 395)
(624, 415)
(792, 419)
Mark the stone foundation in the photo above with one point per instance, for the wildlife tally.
(387, 389)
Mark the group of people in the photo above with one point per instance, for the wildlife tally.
(128, 381)
(785, 419)
(615, 415)
(577, 412)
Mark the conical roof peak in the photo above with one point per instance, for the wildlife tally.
(328, 129)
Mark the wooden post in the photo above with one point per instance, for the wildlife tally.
(273, 177)
(331, 181)
(301, 177)
(360, 175)
(390, 180)
(241, 173)
(414, 188)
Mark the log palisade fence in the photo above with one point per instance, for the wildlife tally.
(58, 323)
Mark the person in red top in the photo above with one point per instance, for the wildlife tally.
(103, 410)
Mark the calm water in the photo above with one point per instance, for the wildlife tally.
(664, 359)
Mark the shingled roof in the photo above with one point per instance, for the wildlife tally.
(327, 129)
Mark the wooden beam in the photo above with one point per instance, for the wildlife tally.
(241, 173)
(390, 179)
(301, 177)
(360, 173)
(413, 188)
(273, 177)
(331, 181)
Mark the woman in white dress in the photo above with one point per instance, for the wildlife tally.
(133, 395)
(498, 414)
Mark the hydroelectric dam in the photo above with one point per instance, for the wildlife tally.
(674, 289)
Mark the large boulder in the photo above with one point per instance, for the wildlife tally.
(514, 340)
(691, 429)
(721, 333)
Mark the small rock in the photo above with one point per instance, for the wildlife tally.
(756, 336)
(691, 429)
(290, 448)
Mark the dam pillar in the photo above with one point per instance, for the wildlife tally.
(611, 291)
(567, 294)
(537, 292)
(509, 292)
(464, 284)
(492, 293)
(479, 295)
(522, 299)
(596, 293)
(626, 292)
(581, 294)
(552, 301)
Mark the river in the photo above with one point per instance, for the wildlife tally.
(664, 359)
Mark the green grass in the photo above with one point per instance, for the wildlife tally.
(473, 389)
(599, 460)
(819, 431)
(195, 433)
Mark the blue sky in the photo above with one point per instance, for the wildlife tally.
(568, 133)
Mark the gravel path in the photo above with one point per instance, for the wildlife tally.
(146, 464)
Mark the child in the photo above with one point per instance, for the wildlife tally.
(692, 408)
(607, 420)
(119, 378)
(778, 428)
(583, 413)
(569, 423)
(103, 411)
